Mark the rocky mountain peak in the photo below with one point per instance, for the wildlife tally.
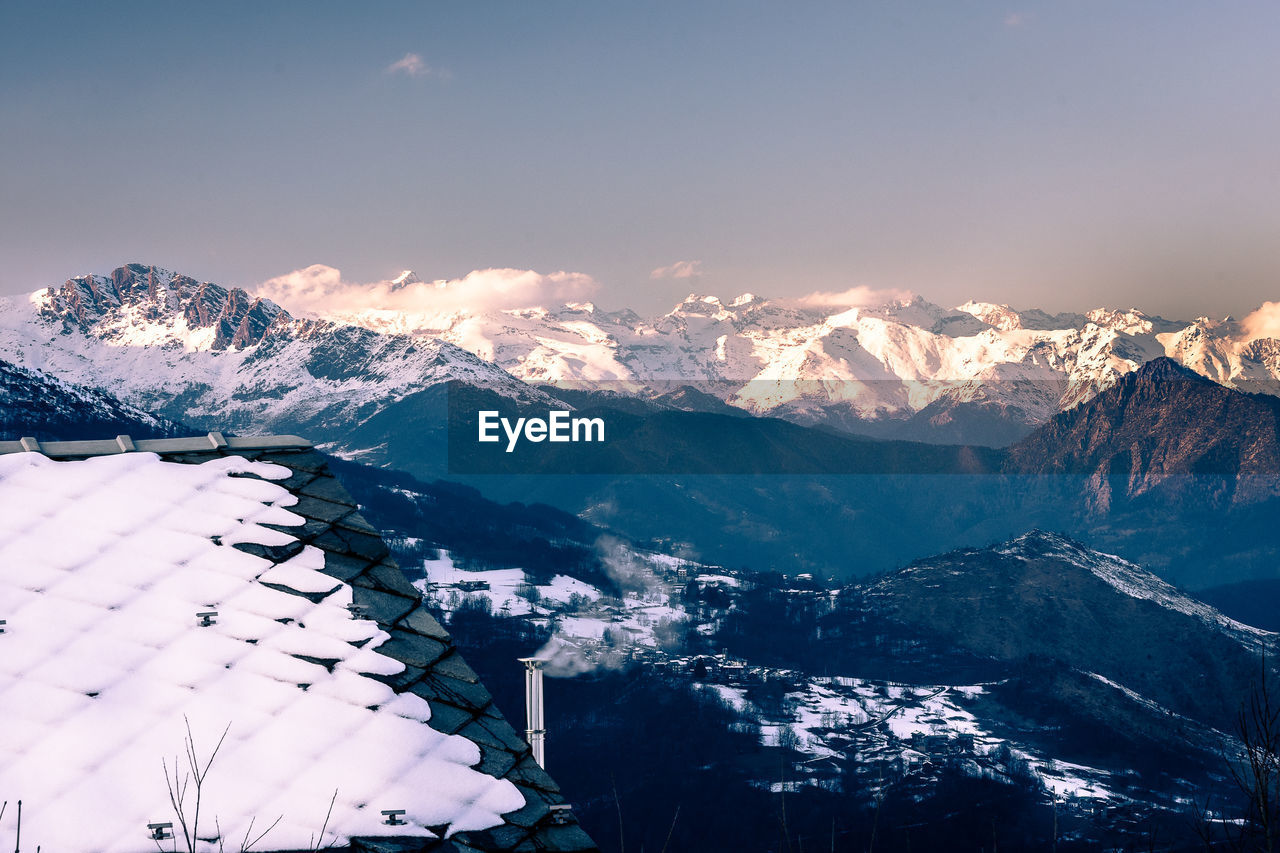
(405, 279)
(1165, 369)
(108, 305)
(1151, 429)
(998, 316)
(1037, 542)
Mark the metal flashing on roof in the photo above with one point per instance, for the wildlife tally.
(124, 444)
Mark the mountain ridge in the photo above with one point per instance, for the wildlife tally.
(1043, 594)
(1160, 423)
(222, 359)
(750, 351)
(980, 373)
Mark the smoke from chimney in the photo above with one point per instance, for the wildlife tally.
(563, 657)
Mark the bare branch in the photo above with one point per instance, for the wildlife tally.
(246, 847)
(177, 799)
(674, 818)
(315, 846)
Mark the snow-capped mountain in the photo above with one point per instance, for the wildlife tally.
(209, 356)
(34, 404)
(822, 363)
(978, 373)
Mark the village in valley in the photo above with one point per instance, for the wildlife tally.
(843, 732)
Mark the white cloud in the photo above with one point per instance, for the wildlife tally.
(680, 269)
(1263, 323)
(320, 290)
(1013, 20)
(413, 65)
(860, 296)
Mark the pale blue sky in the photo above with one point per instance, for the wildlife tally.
(1064, 154)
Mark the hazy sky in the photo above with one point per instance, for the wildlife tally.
(1064, 155)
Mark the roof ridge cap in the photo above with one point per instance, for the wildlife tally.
(124, 444)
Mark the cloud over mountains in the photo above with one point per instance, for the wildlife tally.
(321, 290)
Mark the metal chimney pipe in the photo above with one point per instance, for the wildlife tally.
(536, 728)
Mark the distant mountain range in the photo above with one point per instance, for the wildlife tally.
(975, 373)
(978, 373)
(1161, 465)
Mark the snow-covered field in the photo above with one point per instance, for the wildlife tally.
(878, 722)
(631, 619)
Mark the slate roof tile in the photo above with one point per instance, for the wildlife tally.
(320, 510)
(422, 622)
(345, 567)
(387, 576)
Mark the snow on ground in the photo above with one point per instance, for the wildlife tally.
(640, 618)
(104, 566)
(583, 628)
(827, 718)
(562, 587)
(836, 716)
(843, 703)
(1136, 582)
(631, 620)
(734, 697)
(666, 561)
(443, 578)
(501, 588)
(1064, 779)
(717, 579)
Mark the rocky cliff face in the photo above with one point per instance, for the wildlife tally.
(146, 294)
(1163, 427)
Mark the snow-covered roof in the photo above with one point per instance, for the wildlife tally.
(339, 696)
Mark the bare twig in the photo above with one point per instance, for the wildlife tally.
(674, 818)
(200, 773)
(622, 840)
(196, 772)
(177, 798)
(782, 796)
(316, 842)
(247, 845)
(1258, 777)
